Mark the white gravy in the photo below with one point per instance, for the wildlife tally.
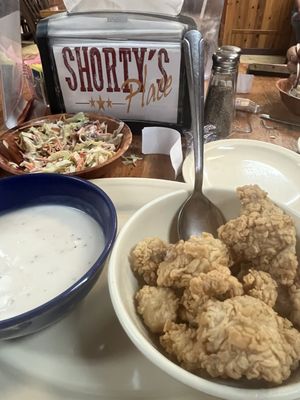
(43, 251)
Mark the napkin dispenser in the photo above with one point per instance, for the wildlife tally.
(127, 65)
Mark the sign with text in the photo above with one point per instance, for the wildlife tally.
(127, 80)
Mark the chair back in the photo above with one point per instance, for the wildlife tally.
(30, 15)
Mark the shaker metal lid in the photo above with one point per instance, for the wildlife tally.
(225, 60)
(233, 49)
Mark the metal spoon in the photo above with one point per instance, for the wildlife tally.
(197, 214)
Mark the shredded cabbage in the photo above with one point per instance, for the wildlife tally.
(67, 145)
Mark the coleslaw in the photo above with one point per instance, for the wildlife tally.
(67, 145)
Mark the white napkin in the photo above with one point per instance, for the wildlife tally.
(160, 140)
(244, 83)
(166, 7)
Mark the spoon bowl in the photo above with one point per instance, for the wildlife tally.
(197, 214)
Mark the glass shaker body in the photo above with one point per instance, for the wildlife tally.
(220, 100)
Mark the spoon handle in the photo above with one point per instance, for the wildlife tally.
(193, 47)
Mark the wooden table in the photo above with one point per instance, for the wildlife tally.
(263, 92)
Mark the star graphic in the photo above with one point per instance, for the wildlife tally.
(101, 103)
(109, 103)
(92, 102)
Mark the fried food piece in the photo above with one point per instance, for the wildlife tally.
(294, 301)
(283, 302)
(263, 235)
(180, 341)
(239, 337)
(261, 285)
(218, 284)
(187, 259)
(156, 305)
(146, 256)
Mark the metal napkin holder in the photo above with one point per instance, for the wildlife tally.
(126, 65)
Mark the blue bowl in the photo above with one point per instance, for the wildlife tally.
(40, 189)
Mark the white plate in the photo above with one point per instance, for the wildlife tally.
(87, 355)
(234, 162)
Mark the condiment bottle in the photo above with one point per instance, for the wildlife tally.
(220, 99)
(232, 49)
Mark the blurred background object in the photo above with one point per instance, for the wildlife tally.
(258, 27)
(33, 10)
(14, 97)
(34, 72)
(296, 20)
(207, 15)
(30, 15)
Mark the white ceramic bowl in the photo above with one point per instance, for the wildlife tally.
(230, 163)
(158, 218)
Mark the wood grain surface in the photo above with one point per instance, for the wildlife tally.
(257, 24)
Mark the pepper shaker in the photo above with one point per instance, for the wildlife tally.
(220, 99)
(232, 49)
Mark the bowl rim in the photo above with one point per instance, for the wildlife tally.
(159, 359)
(278, 84)
(283, 91)
(125, 143)
(239, 143)
(89, 274)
